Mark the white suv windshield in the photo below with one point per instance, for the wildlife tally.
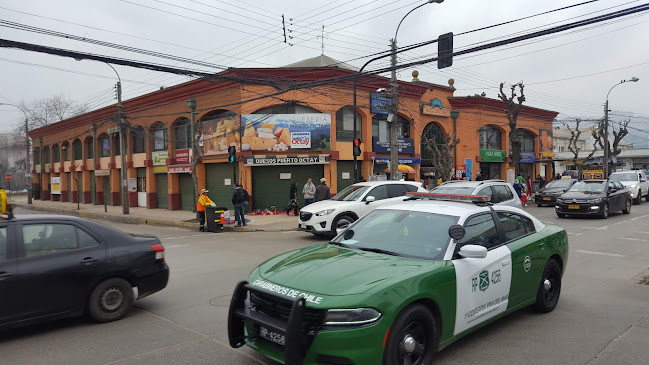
(400, 233)
(629, 176)
(350, 193)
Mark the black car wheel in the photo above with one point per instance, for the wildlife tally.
(547, 296)
(646, 197)
(627, 207)
(111, 300)
(412, 339)
(638, 199)
(604, 213)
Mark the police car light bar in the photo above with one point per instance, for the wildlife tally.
(450, 197)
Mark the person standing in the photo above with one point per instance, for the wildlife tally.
(292, 202)
(203, 201)
(478, 176)
(518, 188)
(322, 192)
(529, 186)
(246, 196)
(238, 198)
(309, 192)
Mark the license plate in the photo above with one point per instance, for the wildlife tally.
(573, 206)
(546, 198)
(272, 336)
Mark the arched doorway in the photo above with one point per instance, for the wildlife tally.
(432, 133)
(493, 157)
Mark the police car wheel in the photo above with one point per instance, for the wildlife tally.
(547, 296)
(412, 339)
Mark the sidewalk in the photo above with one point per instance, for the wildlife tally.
(154, 217)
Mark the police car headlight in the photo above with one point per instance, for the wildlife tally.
(595, 201)
(346, 317)
(324, 212)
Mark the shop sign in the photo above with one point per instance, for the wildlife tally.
(528, 157)
(459, 170)
(493, 155)
(55, 185)
(37, 168)
(159, 157)
(102, 172)
(286, 160)
(132, 184)
(179, 169)
(402, 160)
(435, 108)
(547, 154)
(218, 134)
(183, 156)
(511, 175)
(160, 169)
(286, 132)
(380, 103)
(48, 167)
(406, 145)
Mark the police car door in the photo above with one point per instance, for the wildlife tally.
(482, 285)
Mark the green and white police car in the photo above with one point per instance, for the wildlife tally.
(399, 284)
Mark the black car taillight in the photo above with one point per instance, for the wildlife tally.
(159, 251)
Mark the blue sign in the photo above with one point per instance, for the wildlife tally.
(380, 103)
(406, 145)
(436, 103)
(528, 157)
(468, 165)
(402, 160)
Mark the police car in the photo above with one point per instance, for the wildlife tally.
(404, 281)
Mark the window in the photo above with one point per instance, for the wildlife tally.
(381, 129)
(86, 240)
(43, 239)
(159, 137)
(183, 134)
(78, 150)
(37, 155)
(481, 230)
(503, 193)
(515, 226)
(490, 138)
(116, 144)
(486, 192)
(379, 193)
(90, 148)
(3, 244)
(104, 145)
(137, 140)
(411, 188)
(56, 151)
(432, 134)
(527, 141)
(396, 190)
(46, 154)
(65, 152)
(345, 124)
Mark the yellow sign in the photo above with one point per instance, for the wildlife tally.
(56, 185)
(160, 169)
(547, 154)
(592, 174)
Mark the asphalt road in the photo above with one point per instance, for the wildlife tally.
(602, 316)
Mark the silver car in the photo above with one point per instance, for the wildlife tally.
(500, 191)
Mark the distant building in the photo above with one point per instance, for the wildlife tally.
(12, 158)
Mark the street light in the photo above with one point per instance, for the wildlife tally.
(633, 79)
(122, 143)
(27, 165)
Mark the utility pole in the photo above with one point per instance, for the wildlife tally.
(392, 118)
(122, 133)
(28, 170)
(605, 162)
(191, 103)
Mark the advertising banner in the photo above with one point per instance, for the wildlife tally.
(179, 169)
(511, 175)
(286, 160)
(493, 155)
(402, 160)
(545, 143)
(380, 103)
(468, 162)
(406, 145)
(459, 170)
(218, 134)
(159, 158)
(183, 156)
(286, 132)
(56, 185)
(528, 157)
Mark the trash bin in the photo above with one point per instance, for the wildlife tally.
(213, 219)
(536, 185)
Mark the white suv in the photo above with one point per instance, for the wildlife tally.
(500, 191)
(352, 203)
(634, 180)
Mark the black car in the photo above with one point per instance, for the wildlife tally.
(594, 197)
(549, 194)
(58, 266)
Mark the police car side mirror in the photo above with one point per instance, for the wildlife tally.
(369, 199)
(473, 251)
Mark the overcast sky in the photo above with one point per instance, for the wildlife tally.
(249, 33)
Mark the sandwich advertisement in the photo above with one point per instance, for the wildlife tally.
(285, 132)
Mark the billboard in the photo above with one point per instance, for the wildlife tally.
(286, 132)
(218, 134)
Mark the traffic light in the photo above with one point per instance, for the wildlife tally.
(445, 50)
(232, 151)
(357, 147)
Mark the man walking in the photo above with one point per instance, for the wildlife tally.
(203, 201)
(322, 192)
(238, 197)
(309, 192)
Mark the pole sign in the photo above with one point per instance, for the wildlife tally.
(8, 177)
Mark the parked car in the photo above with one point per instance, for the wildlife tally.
(634, 180)
(594, 197)
(58, 266)
(352, 203)
(571, 174)
(405, 281)
(552, 190)
(499, 191)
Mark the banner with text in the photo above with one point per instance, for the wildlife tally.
(286, 132)
(286, 160)
(406, 145)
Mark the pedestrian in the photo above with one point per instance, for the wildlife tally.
(238, 197)
(309, 192)
(245, 203)
(203, 201)
(292, 203)
(439, 181)
(478, 176)
(541, 182)
(518, 188)
(558, 177)
(322, 192)
(529, 186)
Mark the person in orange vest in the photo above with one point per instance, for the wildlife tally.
(203, 201)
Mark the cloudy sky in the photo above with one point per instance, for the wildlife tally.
(569, 72)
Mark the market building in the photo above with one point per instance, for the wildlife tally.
(280, 135)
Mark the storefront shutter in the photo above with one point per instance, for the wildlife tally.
(186, 191)
(162, 186)
(215, 176)
(269, 190)
(345, 167)
(107, 192)
(93, 189)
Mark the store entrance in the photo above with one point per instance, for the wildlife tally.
(490, 170)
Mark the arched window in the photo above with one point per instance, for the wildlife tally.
(182, 131)
(104, 145)
(90, 148)
(116, 144)
(490, 138)
(77, 149)
(37, 155)
(56, 153)
(381, 127)
(345, 124)
(137, 140)
(159, 136)
(432, 134)
(65, 151)
(527, 140)
(290, 108)
(46, 154)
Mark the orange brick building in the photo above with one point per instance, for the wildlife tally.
(280, 136)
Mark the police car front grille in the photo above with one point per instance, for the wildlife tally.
(305, 216)
(277, 308)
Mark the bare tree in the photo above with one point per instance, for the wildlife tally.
(56, 108)
(441, 155)
(514, 104)
(618, 134)
(573, 146)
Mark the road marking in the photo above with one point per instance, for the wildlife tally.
(599, 253)
(643, 232)
(174, 246)
(642, 216)
(633, 239)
